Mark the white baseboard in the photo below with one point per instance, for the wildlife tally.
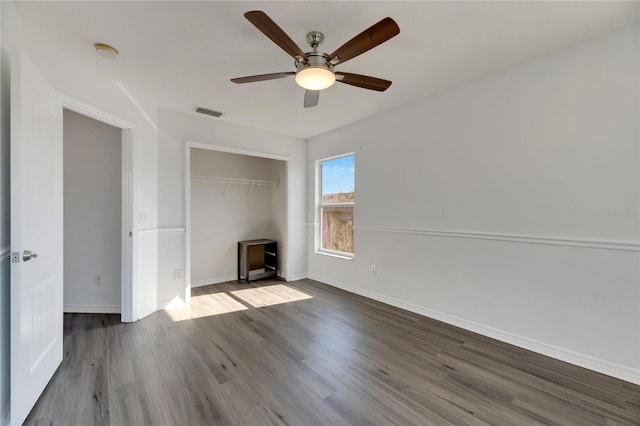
(148, 310)
(618, 371)
(92, 309)
(296, 277)
(214, 280)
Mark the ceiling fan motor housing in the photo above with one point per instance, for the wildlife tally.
(316, 60)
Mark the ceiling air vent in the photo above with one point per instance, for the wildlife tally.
(208, 112)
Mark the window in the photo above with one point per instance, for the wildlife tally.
(337, 204)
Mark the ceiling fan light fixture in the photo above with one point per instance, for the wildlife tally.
(315, 78)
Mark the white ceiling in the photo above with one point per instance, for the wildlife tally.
(188, 51)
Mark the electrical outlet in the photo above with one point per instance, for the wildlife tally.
(177, 274)
(97, 279)
(143, 217)
(373, 270)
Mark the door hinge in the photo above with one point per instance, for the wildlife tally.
(15, 257)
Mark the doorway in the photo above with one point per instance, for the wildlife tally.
(99, 247)
(92, 215)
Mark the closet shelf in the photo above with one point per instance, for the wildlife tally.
(238, 181)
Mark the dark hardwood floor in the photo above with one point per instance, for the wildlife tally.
(311, 354)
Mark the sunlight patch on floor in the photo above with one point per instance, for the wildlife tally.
(204, 306)
(176, 302)
(270, 295)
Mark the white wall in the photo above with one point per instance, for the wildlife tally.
(92, 214)
(487, 206)
(175, 128)
(223, 214)
(4, 224)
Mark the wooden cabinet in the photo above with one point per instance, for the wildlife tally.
(257, 259)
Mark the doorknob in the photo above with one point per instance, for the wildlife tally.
(27, 255)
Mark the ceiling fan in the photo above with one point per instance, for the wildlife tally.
(315, 69)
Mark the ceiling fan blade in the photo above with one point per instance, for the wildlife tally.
(311, 98)
(366, 40)
(364, 81)
(262, 77)
(269, 28)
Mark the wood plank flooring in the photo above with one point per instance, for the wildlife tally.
(310, 354)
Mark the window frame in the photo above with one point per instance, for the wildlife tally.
(319, 249)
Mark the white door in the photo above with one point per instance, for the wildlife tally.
(36, 226)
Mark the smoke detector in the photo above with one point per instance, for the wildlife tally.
(106, 51)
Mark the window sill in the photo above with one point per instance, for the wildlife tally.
(330, 254)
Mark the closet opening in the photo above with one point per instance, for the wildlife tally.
(232, 196)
